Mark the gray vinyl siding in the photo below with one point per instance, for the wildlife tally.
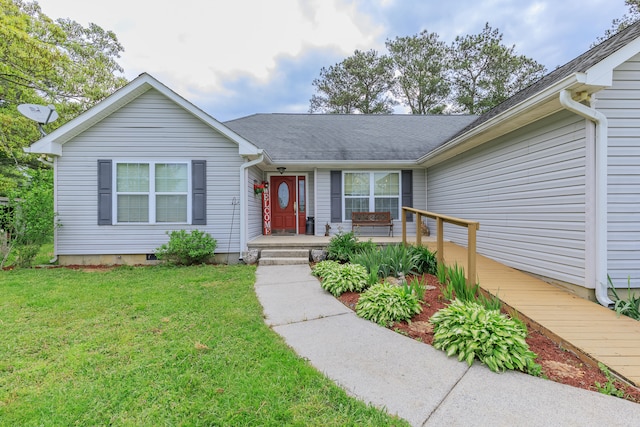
(323, 207)
(254, 216)
(527, 190)
(151, 128)
(621, 105)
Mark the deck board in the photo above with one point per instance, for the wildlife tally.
(594, 332)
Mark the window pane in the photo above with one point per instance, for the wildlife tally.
(301, 198)
(387, 204)
(132, 177)
(355, 205)
(356, 184)
(387, 183)
(171, 208)
(133, 208)
(171, 178)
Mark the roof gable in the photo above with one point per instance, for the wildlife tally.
(52, 143)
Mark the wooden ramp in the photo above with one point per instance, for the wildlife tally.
(593, 332)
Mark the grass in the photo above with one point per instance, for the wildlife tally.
(155, 346)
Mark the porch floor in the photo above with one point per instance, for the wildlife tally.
(593, 332)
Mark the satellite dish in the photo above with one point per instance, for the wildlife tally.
(39, 113)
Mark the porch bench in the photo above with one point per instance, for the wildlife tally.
(372, 219)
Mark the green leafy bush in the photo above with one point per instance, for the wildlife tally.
(472, 331)
(323, 267)
(426, 261)
(400, 258)
(186, 248)
(629, 307)
(345, 278)
(384, 304)
(342, 246)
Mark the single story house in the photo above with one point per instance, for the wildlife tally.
(552, 174)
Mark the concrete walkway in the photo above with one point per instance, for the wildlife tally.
(412, 379)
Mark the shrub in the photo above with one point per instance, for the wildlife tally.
(323, 267)
(384, 304)
(371, 258)
(400, 259)
(426, 261)
(472, 331)
(629, 307)
(345, 278)
(342, 246)
(186, 248)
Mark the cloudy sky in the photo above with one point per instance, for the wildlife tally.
(234, 58)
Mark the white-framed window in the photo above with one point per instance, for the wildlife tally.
(152, 192)
(371, 191)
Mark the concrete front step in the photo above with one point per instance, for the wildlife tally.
(285, 253)
(284, 256)
(283, 261)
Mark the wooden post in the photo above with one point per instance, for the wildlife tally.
(471, 254)
(440, 231)
(404, 227)
(418, 229)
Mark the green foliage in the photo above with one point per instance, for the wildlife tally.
(384, 304)
(344, 245)
(485, 72)
(187, 248)
(421, 63)
(457, 284)
(345, 278)
(426, 261)
(417, 286)
(471, 331)
(609, 388)
(322, 268)
(629, 307)
(156, 346)
(400, 258)
(47, 62)
(358, 84)
(29, 218)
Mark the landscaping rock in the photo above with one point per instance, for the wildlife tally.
(318, 255)
(251, 256)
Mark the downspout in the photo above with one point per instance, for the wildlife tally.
(601, 142)
(243, 202)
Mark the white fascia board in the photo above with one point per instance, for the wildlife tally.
(601, 74)
(346, 164)
(529, 104)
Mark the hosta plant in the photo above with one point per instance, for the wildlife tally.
(384, 304)
(471, 331)
(323, 267)
(345, 278)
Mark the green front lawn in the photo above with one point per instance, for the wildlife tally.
(155, 346)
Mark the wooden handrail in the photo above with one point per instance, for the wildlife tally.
(472, 228)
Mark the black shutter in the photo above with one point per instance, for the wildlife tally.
(104, 192)
(199, 192)
(407, 191)
(336, 196)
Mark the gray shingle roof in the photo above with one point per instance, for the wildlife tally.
(347, 137)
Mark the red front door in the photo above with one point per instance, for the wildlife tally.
(283, 204)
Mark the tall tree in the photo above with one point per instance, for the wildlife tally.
(420, 63)
(359, 84)
(623, 22)
(485, 72)
(47, 62)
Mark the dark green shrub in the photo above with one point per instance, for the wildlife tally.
(186, 248)
(342, 246)
(384, 304)
(345, 278)
(472, 331)
(426, 261)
